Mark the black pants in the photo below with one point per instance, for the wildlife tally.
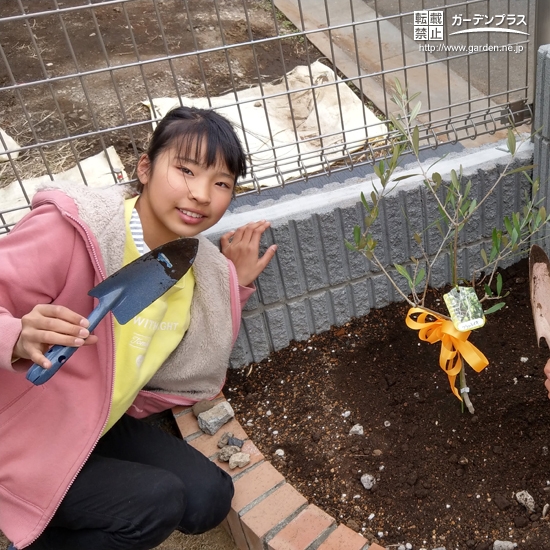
(138, 486)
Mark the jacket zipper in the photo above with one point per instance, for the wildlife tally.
(102, 274)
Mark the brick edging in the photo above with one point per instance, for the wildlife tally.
(267, 512)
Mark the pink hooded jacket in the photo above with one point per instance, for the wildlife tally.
(56, 254)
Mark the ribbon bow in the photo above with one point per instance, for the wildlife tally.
(454, 343)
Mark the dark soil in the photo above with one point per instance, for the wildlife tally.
(444, 477)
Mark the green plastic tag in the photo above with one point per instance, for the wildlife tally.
(464, 308)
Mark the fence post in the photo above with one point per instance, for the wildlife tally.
(541, 127)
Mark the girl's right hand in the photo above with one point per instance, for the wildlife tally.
(47, 325)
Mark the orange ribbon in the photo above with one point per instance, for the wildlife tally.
(454, 343)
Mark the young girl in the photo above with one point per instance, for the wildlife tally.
(78, 469)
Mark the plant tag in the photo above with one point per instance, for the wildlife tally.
(465, 309)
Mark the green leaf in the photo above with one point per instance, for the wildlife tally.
(494, 308)
(499, 284)
(398, 87)
(511, 141)
(414, 112)
(536, 185)
(495, 236)
(454, 179)
(415, 140)
(357, 235)
(401, 178)
(484, 256)
(397, 123)
(364, 201)
(402, 271)
(349, 246)
(468, 188)
(508, 225)
(520, 169)
(419, 276)
(488, 290)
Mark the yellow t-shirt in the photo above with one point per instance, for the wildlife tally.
(144, 343)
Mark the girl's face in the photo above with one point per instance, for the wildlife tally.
(181, 197)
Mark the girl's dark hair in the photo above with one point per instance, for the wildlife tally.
(191, 129)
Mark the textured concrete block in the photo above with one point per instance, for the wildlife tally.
(341, 298)
(300, 318)
(441, 271)
(357, 263)
(431, 215)
(241, 353)
(320, 307)
(396, 230)
(312, 262)
(379, 292)
(269, 283)
(290, 264)
(542, 91)
(473, 229)
(360, 297)
(413, 209)
(257, 336)
(252, 303)
(332, 240)
(490, 209)
(278, 325)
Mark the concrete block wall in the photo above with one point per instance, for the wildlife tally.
(542, 127)
(315, 282)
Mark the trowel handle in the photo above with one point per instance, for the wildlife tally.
(58, 355)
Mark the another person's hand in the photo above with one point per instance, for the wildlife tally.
(47, 325)
(242, 247)
(547, 374)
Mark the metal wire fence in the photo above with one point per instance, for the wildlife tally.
(306, 82)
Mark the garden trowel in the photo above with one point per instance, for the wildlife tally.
(127, 292)
(539, 282)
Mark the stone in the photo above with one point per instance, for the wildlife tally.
(353, 525)
(227, 452)
(368, 481)
(236, 442)
(526, 500)
(504, 545)
(239, 460)
(521, 521)
(202, 406)
(501, 502)
(224, 440)
(356, 429)
(213, 419)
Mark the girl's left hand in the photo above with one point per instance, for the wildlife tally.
(242, 247)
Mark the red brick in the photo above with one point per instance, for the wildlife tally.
(254, 483)
(236, 530)
(180, 409)
(208, 444)
(187, 424)
(343, 538)
(303, 530)
(375, 546)
(255, 457)
(269, 513)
